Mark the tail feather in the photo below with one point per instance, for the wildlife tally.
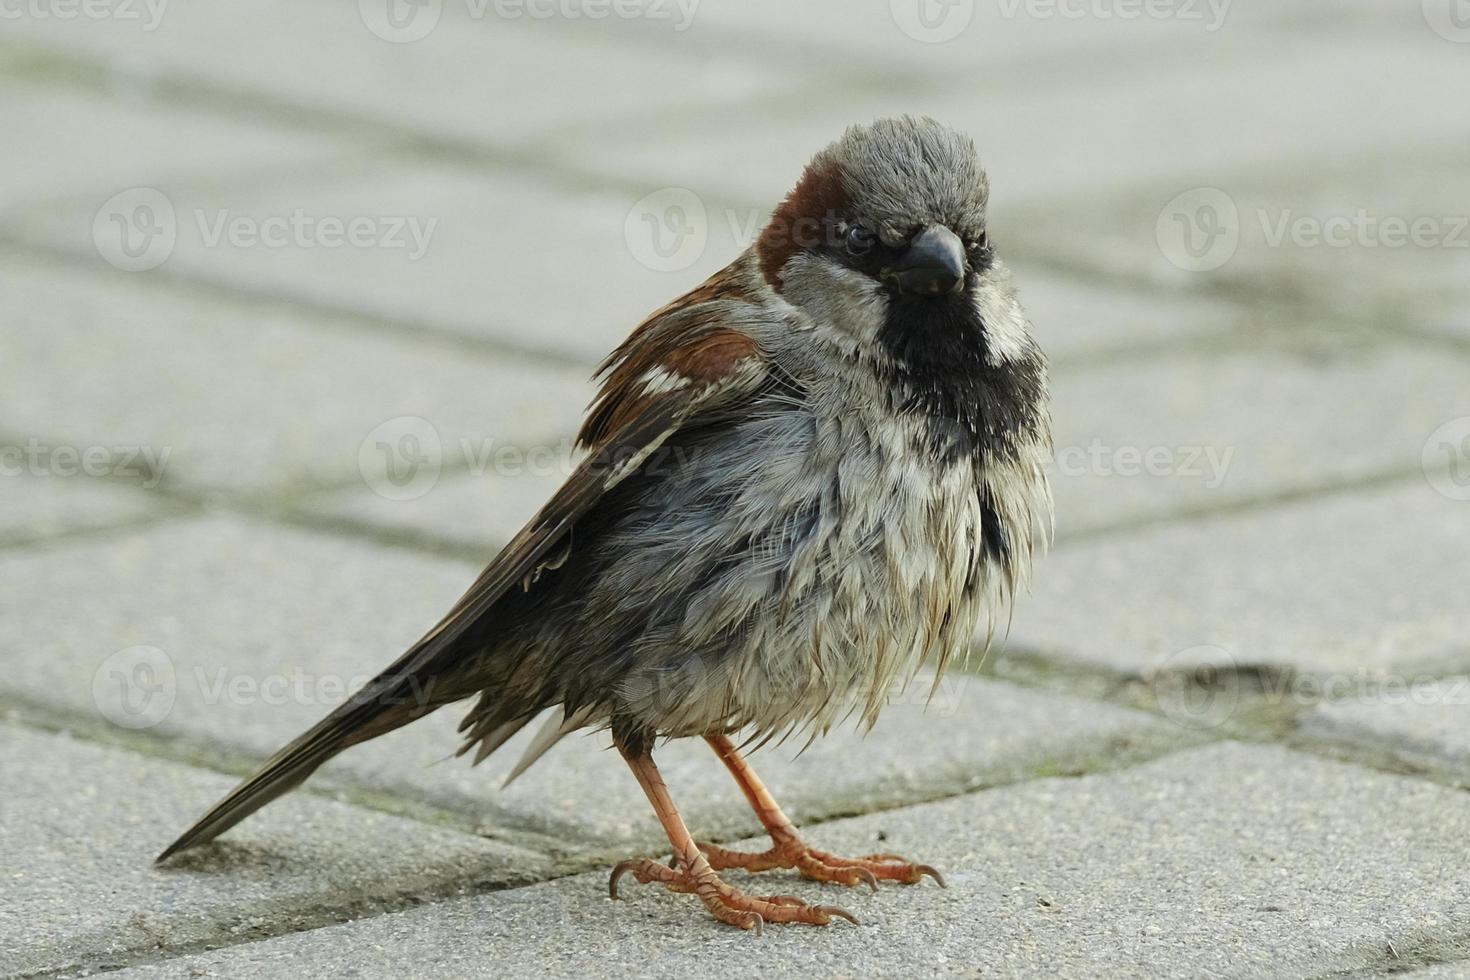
(394, 698)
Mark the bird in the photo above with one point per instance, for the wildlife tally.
(817, 472)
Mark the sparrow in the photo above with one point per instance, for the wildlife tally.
(816, 472)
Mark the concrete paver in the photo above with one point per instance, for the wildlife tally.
(1362, 581)
(83, 823)
(44, 503)
(1222, 861)
(257, 399)
(353, 61)
(84, 148)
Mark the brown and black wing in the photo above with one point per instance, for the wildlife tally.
(707, 371)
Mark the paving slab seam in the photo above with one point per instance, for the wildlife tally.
(564, 868)
(324, 169)
(540, 157)
(1383, 478)
(1417, 951)
(1260, 716)
(445, 336)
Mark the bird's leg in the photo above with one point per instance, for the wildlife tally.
(691, 872)
(788, 850)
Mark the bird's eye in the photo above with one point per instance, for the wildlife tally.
(978, 243)
(859, 240)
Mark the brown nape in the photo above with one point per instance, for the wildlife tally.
(800, 221)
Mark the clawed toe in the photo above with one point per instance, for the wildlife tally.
(725, 903)
(821, 866)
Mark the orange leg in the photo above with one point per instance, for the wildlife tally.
(788, 850)
(690, 871)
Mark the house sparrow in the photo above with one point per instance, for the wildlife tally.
(818, 470)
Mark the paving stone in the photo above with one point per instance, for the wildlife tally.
(1440, 971)
(40, 506)
(483, 77)
(1228, 860)
(1367, 581)
(253, 632)
(82, 827)
(1382, 237)
(1123, 126)
(251, 398)
(1418, 719)
(1005, 37)
(505, 256)
(85, 148)
(1077, 319)
(1279, 407)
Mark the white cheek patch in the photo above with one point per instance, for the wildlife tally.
(839, 298)
(1007, 333)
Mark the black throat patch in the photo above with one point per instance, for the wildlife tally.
(940, 368)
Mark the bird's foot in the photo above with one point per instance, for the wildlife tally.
(792, 852)
(726, 903)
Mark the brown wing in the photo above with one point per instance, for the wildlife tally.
(684, 363)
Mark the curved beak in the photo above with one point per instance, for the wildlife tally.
(933, 264)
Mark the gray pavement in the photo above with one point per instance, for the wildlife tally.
(299, 304)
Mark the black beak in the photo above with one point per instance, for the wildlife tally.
(933, 264)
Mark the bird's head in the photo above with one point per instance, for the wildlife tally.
(885, 236)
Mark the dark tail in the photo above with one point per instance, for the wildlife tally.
(394, 698)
